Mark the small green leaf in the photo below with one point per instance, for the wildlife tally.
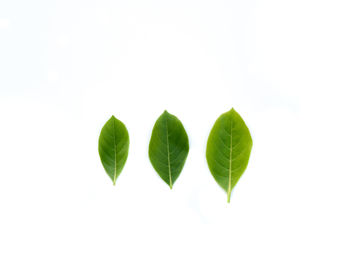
(113, 147)
(228, 150)
(168, 147)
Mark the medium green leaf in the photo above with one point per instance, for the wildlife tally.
(113, 147)
(228, 150)
(168, 147)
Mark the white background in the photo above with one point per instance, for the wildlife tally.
(67, 66)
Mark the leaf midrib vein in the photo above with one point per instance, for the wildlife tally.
(230, 166)
(115, 153)
(167, 145)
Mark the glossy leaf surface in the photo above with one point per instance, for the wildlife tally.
(228, 150)
(113, 147)
(168, 147)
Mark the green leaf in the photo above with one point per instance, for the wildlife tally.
(168, 147)
(228, 150)
(113, 147)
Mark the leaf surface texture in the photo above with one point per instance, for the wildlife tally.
(168, 147)
(113, 147)
(228, 150)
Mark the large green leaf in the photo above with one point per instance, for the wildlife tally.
(113, 147)
(168, 147)
(228, 150)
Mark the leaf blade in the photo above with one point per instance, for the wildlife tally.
(168, 147)
(113, 147)
(228, 150)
